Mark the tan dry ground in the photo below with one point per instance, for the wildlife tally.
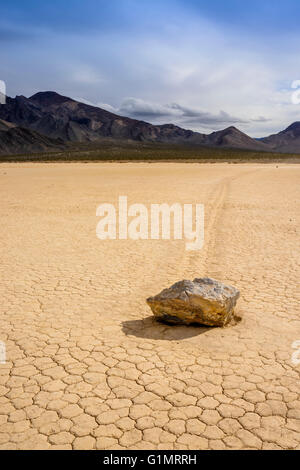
(86, 365)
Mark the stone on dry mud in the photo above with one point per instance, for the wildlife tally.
(204, 301)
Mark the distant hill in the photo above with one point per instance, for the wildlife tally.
(234, 138)
(47, 119)
(285, 141)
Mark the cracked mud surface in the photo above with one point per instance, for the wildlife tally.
(88, 368)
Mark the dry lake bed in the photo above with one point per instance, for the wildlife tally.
(87, 367)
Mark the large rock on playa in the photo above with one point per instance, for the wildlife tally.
(204, 301)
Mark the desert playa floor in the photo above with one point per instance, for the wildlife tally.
(88, 368)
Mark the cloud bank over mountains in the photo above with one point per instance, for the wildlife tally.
(180, 115)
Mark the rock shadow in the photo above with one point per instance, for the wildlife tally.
(151, 328)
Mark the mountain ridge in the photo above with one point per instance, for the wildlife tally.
(73, 121)
(63, 119)
(285, 141)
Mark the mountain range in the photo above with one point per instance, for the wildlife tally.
(48, 121)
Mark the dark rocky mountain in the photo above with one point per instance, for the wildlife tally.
(60, 117)
(48, 115)
(5, 126)
(233, 138)
(14, 139)
(285, 141)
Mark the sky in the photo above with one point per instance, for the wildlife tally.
(201, 64)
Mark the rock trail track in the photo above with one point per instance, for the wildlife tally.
(88, 368)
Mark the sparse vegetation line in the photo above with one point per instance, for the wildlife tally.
(140, 151)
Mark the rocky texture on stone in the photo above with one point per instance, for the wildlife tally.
(204, 301)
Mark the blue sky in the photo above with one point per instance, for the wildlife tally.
(203, 65)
